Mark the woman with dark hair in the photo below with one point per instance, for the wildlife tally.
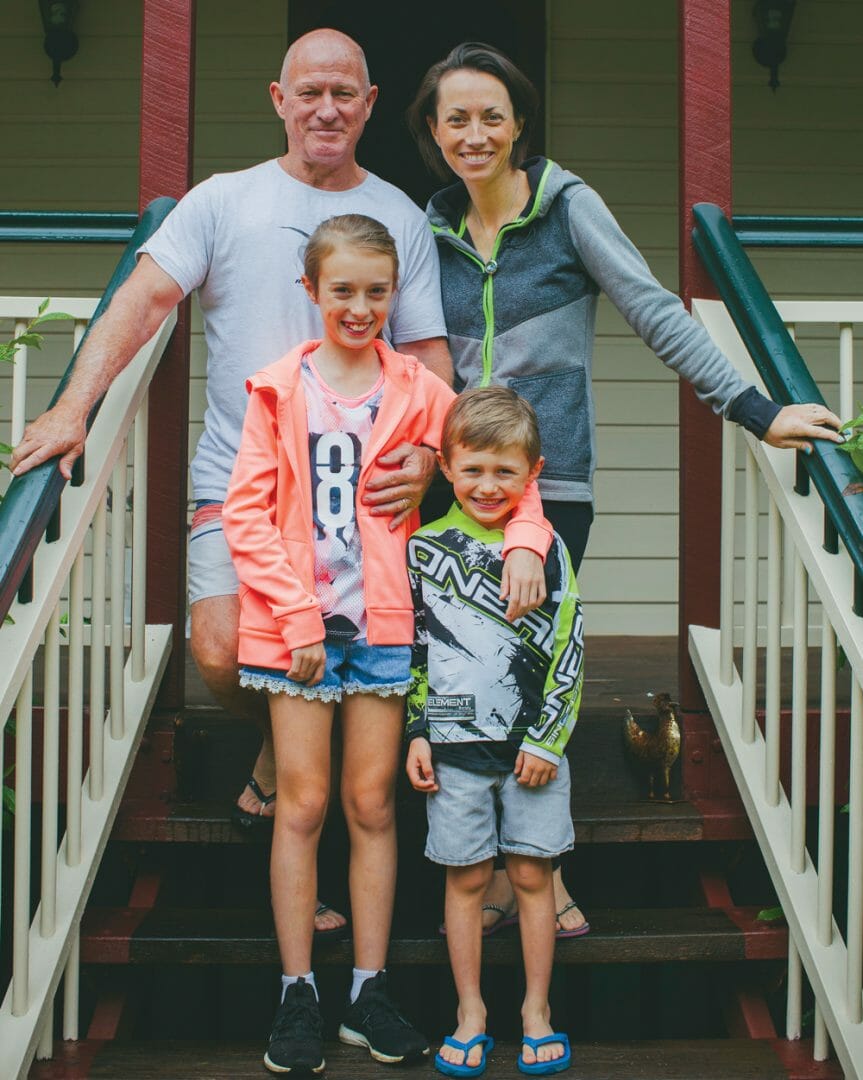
(525, 249)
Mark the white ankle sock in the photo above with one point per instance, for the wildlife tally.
(289, 980)
(360, 977)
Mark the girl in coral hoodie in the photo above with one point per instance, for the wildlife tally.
(326, 615)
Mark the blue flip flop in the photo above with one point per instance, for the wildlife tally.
(447, 1067)
(546, 1068)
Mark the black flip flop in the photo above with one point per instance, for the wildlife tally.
(322, 906)
(244, 819)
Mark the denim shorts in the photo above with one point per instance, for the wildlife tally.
(475, 815)
(353, 667)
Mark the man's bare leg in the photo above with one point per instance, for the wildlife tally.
(214, 644)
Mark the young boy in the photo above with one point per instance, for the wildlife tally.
(489, 715)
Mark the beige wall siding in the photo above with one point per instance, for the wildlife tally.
(613, 121)
(76, 147)
(612, 118)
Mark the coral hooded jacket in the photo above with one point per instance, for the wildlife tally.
(267, 515)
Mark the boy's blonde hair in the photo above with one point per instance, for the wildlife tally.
(491, 418)
(354, 230)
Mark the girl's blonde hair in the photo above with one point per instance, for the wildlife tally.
(356, 230)
(491, 418)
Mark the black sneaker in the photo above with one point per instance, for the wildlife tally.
(374, 1021)
(296, 1043)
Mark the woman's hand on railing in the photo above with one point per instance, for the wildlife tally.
(59, 431)
(796, 425)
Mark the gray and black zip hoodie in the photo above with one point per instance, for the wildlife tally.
(526, 317)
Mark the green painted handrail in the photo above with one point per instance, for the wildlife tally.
(67, 226)
(783, 370)
(111, 227)
(32, 499)
(771, 230)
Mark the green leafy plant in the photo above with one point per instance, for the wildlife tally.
(770, 914)
(853, 445)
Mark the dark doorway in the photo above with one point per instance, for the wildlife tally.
(401, 41)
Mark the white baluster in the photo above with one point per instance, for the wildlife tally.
(855, 857)
(826, 782)
(726, 584)
(794, 1001)
(139, 541)
(118, 579)
(21, 871)
(50, 773)
(846, 372)
(750, 601)
(773, 658)
(97, 653)
(798, 718)
(19, 387)
(75, 727)
(71, 982)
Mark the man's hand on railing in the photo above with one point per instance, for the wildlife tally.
(796, 425)
(59, 431)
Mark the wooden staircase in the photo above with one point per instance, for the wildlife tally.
(675, 978)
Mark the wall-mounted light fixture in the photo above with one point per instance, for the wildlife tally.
(772, 22)
(61, 43)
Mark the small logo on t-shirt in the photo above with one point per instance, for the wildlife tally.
(460, 707)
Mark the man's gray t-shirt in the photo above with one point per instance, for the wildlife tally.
(237, 238)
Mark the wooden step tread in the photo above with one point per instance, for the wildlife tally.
(709, 1059)
(234, 936)
(156, 821)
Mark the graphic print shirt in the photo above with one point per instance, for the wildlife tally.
(339, 430)
(485, 688)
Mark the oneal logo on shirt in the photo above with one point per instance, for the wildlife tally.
(451, 707)
(471, 584)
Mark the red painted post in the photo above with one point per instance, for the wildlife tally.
(167, 108)
(704, 176)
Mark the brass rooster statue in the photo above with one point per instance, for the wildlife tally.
(659, 749)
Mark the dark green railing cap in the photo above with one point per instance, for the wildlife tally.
(798, 231)
(67, 226)
(33, 498)
(783, 370)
